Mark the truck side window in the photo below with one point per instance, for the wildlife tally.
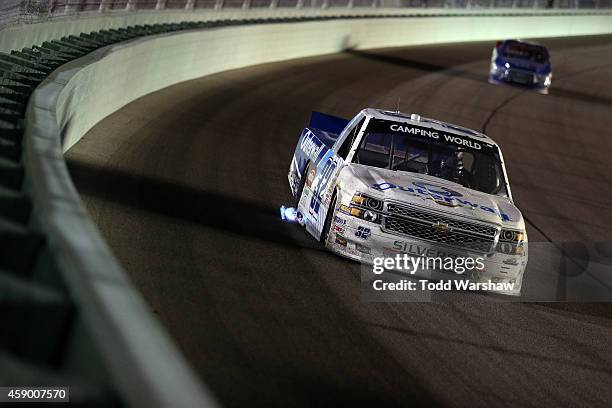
(348, 141)
(375, 150)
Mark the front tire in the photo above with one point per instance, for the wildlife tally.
(328, 219)
(300, 190)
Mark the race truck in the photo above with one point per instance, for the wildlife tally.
(522, 63)
(387, 183)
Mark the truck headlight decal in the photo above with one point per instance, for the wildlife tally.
(512, 236)
(512, 242)
(364, 207)
(367, 201)
(374, 204)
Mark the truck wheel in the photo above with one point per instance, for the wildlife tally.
(328, 219)
(300, 190)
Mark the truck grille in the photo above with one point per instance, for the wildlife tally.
(433, 218)
(520, 77)
(425, 225)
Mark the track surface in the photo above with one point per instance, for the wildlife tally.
(185, 185)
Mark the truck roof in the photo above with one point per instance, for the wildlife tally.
(530, 43)
(418, 120)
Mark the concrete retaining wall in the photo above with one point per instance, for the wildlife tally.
(25, 35)
(113, 77)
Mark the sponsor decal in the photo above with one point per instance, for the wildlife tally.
(339, 229)
(436, 190)
(441, 195)
(419, 250)
(327, 198)
(311, 146)
(386, 126)
(362, 248)
(472, 144)
(396, 127)
(310, 177)
(338, 220)
(363, 233)
(341, 240)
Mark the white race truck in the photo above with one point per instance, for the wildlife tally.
(387, 183)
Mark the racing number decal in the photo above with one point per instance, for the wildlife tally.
(315, 201)
(363, 232)
(325, 170)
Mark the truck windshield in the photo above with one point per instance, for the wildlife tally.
(457, 162)
(526, 52)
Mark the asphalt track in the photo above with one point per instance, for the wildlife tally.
(185, 185)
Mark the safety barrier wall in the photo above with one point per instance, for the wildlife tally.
(131, 70)
(18, 11)
(111, 322)
(24, 35)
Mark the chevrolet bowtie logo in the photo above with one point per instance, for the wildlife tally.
(441, 227)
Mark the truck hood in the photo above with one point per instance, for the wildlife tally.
(540, 68)
(433, 193)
